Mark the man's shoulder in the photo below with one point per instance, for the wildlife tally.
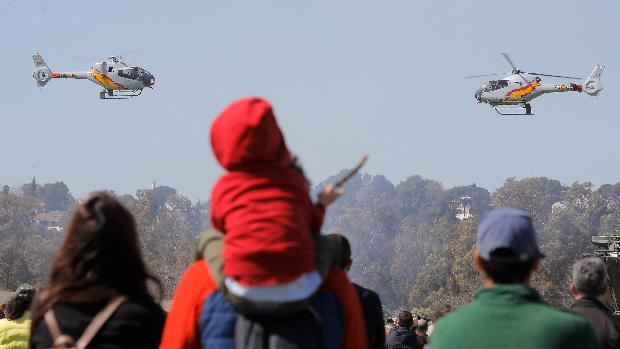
(547, 315)
(534, 322)
(365, 293)
(534, 311)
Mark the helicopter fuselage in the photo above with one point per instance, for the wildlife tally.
(113, 75)
(518, 89)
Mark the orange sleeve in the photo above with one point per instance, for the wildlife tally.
(181, 328)
(337, 282)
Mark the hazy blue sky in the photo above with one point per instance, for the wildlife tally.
(345, 77)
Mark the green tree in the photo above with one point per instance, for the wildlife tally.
(56, 196)
(534, 195)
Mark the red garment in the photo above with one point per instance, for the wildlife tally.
(336, 281)
(181, 330)
(262, 205)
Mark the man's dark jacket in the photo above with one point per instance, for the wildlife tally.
(373, 316)
(604, 323)
(403, 338)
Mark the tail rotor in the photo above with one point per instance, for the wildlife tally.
(42, 73)
(593, 85)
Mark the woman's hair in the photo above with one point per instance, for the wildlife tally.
(99, 257)
(17, 306)
(441, 312)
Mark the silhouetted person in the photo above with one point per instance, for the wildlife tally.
(589, 286)
(99, 266)
(404, 337)
(371, 303)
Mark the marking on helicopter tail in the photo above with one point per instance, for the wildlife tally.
(522, 91)
(106, 81)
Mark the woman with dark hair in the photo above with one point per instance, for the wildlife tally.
(99, 269)
(15, 327)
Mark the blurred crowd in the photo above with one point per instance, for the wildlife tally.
(264, 277)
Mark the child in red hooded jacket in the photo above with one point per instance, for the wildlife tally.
(271, 226)
(262, 204)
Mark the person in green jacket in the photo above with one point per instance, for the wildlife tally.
(506, 313)
(15, 327)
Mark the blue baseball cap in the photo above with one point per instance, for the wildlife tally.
(508, 228)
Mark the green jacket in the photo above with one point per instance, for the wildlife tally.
(14, 334)
(512, 316)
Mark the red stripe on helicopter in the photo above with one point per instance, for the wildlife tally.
(55, 75)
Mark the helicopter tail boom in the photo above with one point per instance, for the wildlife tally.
(593, 85)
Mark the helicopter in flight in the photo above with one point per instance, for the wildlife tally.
(119, 80)
(516, 90)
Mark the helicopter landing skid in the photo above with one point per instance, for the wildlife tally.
(527, 107)
(126, 94)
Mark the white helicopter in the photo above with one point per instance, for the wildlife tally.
(519, 88)
(119, 80)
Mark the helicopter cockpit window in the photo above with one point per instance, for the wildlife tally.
(128, 73)
(133, 73)
(495, 85)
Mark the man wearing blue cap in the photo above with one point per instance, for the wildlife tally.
(506, 313)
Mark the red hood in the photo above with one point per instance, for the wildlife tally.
(246, 137)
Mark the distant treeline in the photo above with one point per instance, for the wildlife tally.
(412, 242)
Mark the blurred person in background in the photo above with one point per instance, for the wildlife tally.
(390, 326)
(404, 337)
(15, 327)
(439, 313)
(421, 329)
(589, 287)
(371, 303)
(98, 270)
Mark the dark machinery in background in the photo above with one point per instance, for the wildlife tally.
(608, 248)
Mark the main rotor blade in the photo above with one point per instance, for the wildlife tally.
(523, 78)
(483, 75)
(557, 76)
(129, 53)
(76, 58)
(509, 60)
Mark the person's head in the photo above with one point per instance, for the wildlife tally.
(99, 256)
(506, 248)
(246, 137)
(423, 324)
(17, 306)
(389, 328)
(439, 313)
(405, 319)
(589, 278)
(344, 260)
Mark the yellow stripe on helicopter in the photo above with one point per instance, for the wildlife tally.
(106, 81)
(519, 93)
